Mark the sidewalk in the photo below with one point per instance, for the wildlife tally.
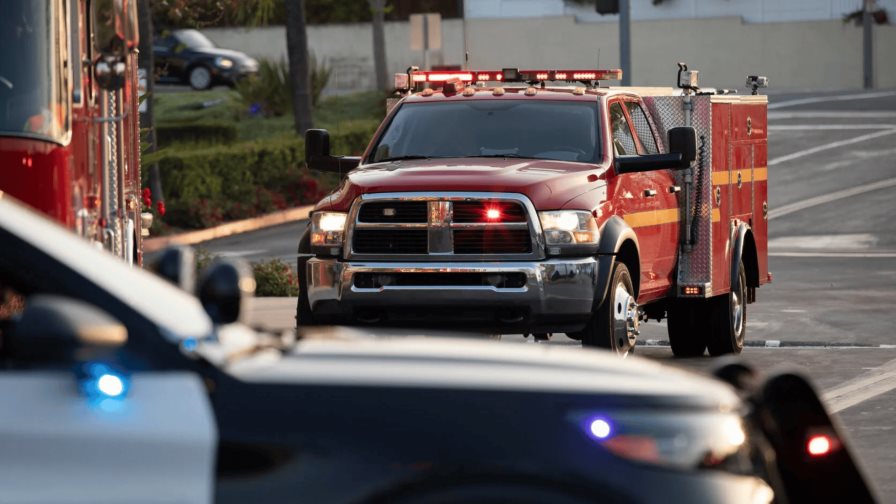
(228, 229)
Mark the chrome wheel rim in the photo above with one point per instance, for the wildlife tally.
(625, 320)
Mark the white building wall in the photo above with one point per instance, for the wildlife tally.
(752, 11)
(806, 55)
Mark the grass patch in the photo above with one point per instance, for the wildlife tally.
(334, 113)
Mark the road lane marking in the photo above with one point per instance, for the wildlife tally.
(837, 242)
(832, 145)
(239, 253)
(857, 157)
(854, 255)
(827, 198)
(833, 114)
(828, 127)
(862, 388)
(822, 99)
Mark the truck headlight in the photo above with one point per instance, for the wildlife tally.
(328, 230)
(569, 231)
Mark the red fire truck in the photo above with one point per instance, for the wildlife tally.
(69, 137)
(502, 201)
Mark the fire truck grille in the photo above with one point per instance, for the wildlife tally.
(492, 241)
(442, 227)
(390, 241)
(393, 212)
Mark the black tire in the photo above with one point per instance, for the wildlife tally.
(729, 318)
(686, 323)
(199, 78)
(603, 329)
(304, 315)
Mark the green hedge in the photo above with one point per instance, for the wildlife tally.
(209, 185)
(205, 133)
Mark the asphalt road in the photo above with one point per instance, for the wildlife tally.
(832, 251)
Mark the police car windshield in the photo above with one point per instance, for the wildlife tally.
(556, 130)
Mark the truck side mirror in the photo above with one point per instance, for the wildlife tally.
(57, 329)
(224, 290)
(683, 140)
(317, 154)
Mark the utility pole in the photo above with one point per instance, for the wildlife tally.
(867, 45)
(145, 61)
(377, 8)
(625, 40)
(299, 72)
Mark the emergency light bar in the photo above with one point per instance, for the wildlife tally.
(505, 75)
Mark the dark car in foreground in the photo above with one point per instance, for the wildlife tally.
(190, 57)
(345, 417)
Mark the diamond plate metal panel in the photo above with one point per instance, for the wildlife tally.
(695, 265)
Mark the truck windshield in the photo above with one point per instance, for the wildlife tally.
(557, 130)
(32, 97)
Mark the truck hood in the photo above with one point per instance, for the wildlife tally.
(549, 184)
(348, 357)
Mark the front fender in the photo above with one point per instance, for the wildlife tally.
(737, 252)
(613, 235)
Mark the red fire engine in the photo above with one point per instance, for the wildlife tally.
(496, 200)
(69, 138)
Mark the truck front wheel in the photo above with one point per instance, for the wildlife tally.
(304, 315)
(614, 324)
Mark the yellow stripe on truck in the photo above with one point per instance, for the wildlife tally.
(651, 217)
(746, 175)
(659, 217)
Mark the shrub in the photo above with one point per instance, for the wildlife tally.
(206, 186)
(203, 133)
(320, 77)
(269, 92)
(275, 278)
(272, 278)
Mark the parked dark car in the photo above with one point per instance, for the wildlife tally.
(189, 56)
(344, 417)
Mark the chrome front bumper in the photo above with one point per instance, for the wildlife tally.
(558, 293)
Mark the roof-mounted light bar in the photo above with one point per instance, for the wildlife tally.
(504, 75)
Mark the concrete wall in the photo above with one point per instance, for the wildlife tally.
(753, 11)
(810, 55)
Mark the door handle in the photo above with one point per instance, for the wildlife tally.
(674, 189)
(649, 193)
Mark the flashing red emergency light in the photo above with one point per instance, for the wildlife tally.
(514, 75)
(819, 445)
(493, 214)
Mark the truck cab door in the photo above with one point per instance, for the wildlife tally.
(648, 201)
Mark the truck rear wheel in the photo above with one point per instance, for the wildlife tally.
(686, 323)
(614, 324)
(729, 318)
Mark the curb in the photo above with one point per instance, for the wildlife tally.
(228, 229)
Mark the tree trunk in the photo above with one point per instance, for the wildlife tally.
(377, 7)
(299, 73)
(146, 61)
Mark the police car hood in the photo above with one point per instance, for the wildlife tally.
(346, 357)
(545, 182)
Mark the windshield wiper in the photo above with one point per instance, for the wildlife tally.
(508, 155)
(402, 158)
